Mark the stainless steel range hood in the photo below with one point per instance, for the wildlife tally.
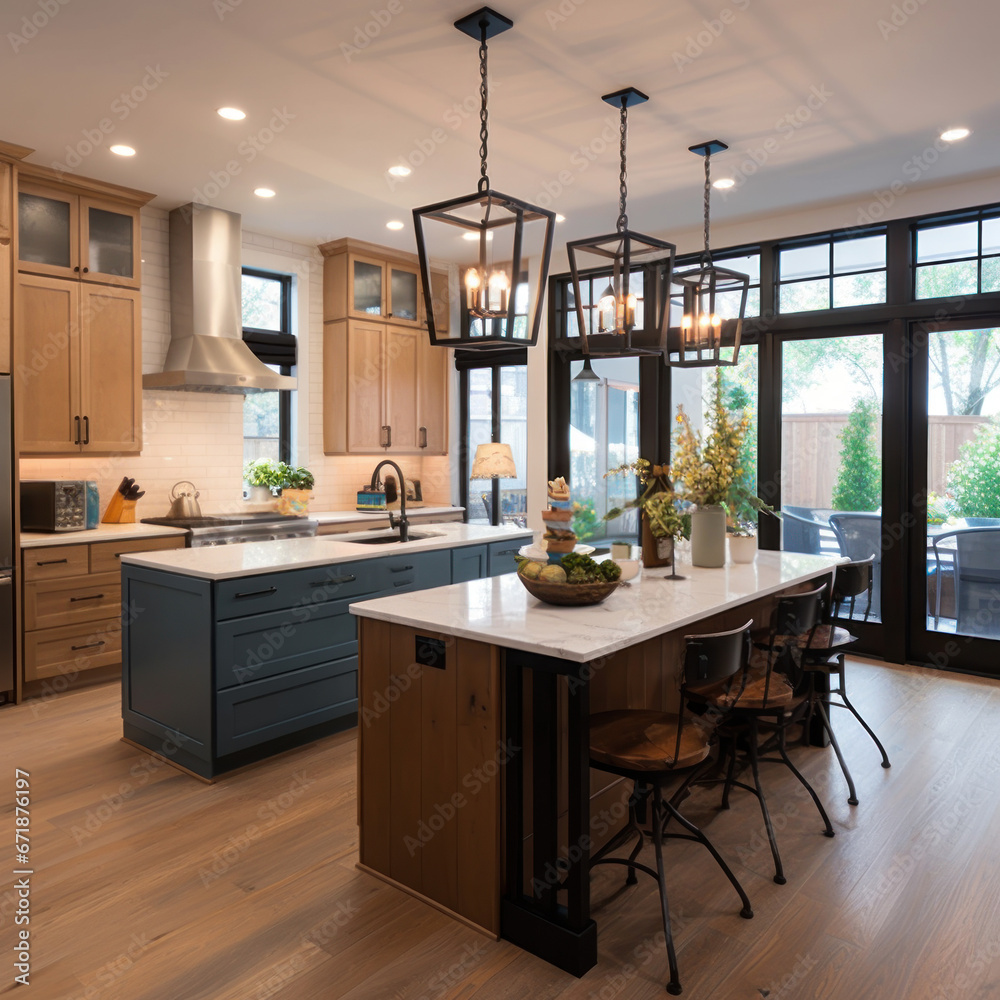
(206, 352)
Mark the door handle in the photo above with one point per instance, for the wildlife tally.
(52, 562)
(399, 569)
(89, 597)
(87, 645)
(260, 593)
(388, 436)
(86, 430)
(76, 440)
(423, 437)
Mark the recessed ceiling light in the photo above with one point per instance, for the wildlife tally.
(954, 134)
(400, 170)
(560, 218)
(263, 192)
(394, 224)
(475, 236)
(120, 150)
(233, 114)
(724, 183)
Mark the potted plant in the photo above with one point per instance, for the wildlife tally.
(296, 486)
(662, 519)
(262, 476)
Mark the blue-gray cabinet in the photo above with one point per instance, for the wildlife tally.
(502, 556)
(469, 563)
(218, 674)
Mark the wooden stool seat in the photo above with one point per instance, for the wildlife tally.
(779, 695)
(823, 637)
(644, 741)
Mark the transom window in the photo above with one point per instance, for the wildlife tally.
(832, 274)
(960, 258)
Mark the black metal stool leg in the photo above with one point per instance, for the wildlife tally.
(829, 831)
(674, 985)
(852, 798)
(867, 729)
(779, 873)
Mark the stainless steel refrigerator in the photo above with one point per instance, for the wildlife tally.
(6, 542)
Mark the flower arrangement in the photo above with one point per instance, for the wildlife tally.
(658, 499)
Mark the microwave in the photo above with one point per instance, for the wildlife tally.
(58, 505)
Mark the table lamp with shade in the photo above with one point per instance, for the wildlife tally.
(493, 460)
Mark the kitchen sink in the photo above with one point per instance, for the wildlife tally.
(383, 537)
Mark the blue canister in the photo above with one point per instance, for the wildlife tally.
(93, 504)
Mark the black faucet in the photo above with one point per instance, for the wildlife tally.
(402, 523)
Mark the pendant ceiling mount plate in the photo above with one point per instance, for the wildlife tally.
(709, 148)
(631, 96)
(472, 24)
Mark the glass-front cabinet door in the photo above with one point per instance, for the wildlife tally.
(109, 242)
(367, 287)
(403, 295)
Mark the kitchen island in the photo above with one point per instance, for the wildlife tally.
(233, 653)
(474, 786)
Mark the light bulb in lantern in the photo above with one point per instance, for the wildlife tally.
(607, 311)
(473, 283)
(499, 288)
(630, 302)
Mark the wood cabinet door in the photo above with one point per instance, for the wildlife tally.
(402, 352)
(6, 252)
(111, 369)
(48, 230)
(432, 398)
(365, 387)
(47, 365)
(366, 297)
(109, 242)
(403, 293)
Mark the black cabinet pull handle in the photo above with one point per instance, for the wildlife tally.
(399, 569)
(508, 552)
(76, 440)
(388, 436)
(86, 430)
(88, 645)
(52, 562)
(89, 597)
(335, 579)
(260, 593)
(86, 270)
(423, 437)
(77, 269)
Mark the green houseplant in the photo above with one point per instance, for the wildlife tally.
(662, 519)
(974, 478)
(296, 485)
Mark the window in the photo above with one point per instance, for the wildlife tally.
(850, 271)
(475, 326)
(960, 258)
(267, 325)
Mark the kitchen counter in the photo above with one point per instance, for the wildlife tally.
(500, 611)
(102, 533)
(417, 509)
(226, 562)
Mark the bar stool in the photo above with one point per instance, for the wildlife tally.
(825, 657)
(772, 701)
(652, 749)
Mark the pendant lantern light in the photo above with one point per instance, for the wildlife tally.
(491, 235)
(714, 300)
(631, 316)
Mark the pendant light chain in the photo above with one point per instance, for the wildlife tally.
(622, 177)
(484, 132)
(707, 255)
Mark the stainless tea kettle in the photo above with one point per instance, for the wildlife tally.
(185, 504)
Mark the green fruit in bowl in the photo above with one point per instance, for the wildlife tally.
(531, 570)
(553, 574)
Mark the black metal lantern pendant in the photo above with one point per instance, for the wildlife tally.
(714, 300)
(499, 232)
(622, 322)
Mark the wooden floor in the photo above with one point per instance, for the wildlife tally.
(150, 885)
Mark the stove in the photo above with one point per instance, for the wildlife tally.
(262, 527)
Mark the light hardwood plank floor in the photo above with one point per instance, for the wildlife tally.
(150, 885)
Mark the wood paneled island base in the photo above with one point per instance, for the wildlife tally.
(474, 788)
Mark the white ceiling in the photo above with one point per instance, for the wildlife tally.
(351, 112)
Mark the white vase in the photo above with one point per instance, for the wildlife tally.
(708, 537)
(257, 494)
(742, 548)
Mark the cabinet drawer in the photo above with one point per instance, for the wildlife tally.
(105, 557)
(50, 603)
(251, 649)
(297, 588)
(67, 650)
(55, 561)
(502, 555)
(264, 710)
(419, 571)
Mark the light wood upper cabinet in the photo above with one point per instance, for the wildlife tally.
(68, 235)
(402, 414)
(365, 416)
(381, 288)
(6, 267)
(432, 401)
(77, 355)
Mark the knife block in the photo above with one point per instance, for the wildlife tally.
(119, 510)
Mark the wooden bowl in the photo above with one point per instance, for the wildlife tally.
(568, 593)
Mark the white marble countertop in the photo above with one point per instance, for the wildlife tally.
(500, 611)
(102, 533)
(226, 562)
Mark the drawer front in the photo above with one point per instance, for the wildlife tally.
(503, 556)
(264, 710)
(53, 562)
(105, 557)
(419, 571)
(70, 649)
(300, 588)
(51, 603)
(468, 563)
(251, 649)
